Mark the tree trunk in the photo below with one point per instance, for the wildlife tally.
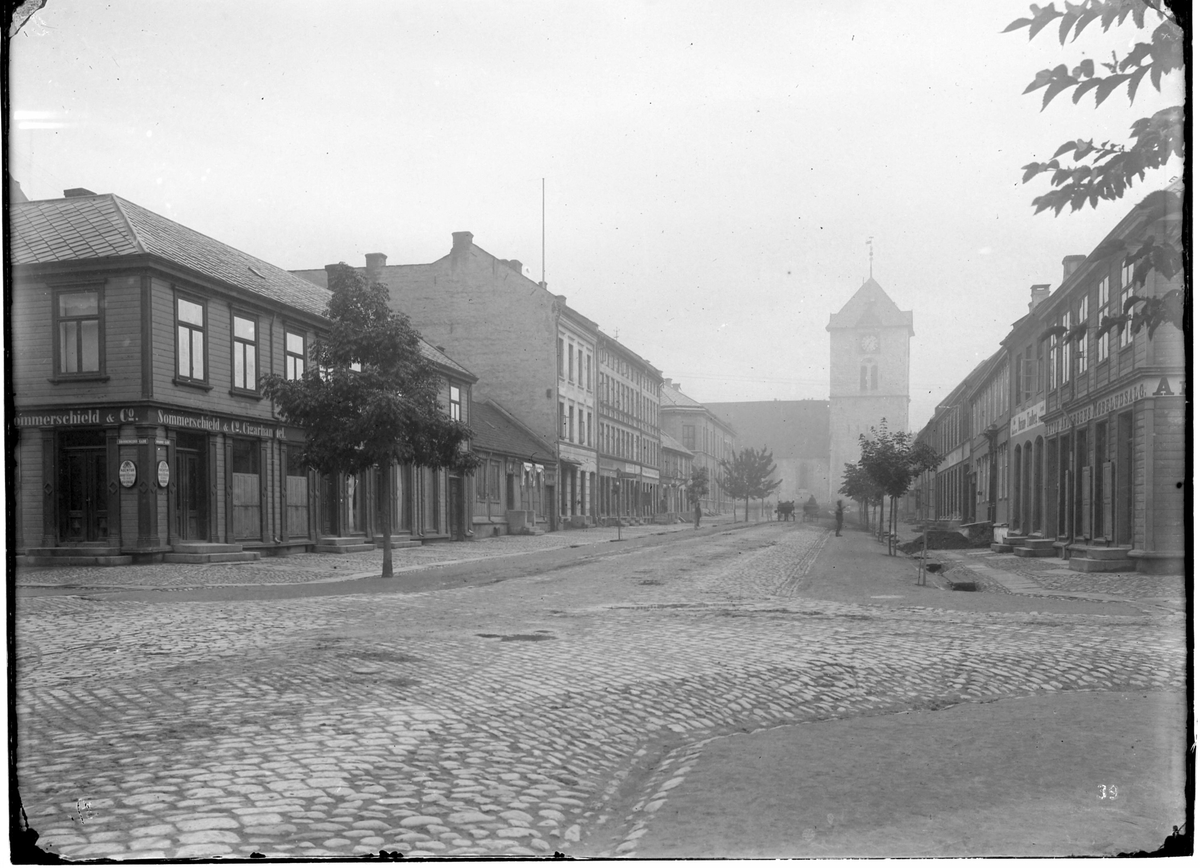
(892, 527)
(386, 494)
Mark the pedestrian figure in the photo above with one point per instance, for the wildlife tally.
(837, 517)
(697, 513)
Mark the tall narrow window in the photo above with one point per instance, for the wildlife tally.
(570, 363)
(589, 429)
(1066, 349)
(588, 382)
(571, 423)
(562, 420)
(245, 353)
(456, 403)
(78, 315)
(560, 358)
(1126, 335)
(295, 356)
(189, 345)
(1101, 312)
(1081, 346)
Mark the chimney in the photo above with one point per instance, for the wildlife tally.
(516, 265)
(76, 193)
(375, 264)
(1038, 293)
(462, 240)
(329, 274)
(1070, 263)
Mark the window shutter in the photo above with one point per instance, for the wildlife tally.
(1107, 499)
(1085, 480)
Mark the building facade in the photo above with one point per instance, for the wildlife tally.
(629, 445)
(868, 374)
(510, 484)
(533, 353)
(138, 346)
(707, 436)
(1092, 465)
(1114, 461)
(675, 470)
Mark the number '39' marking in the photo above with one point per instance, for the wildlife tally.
(1107, 791)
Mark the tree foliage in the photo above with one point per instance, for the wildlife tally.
(370, 398)
(748, 476)
(1083, 171)
(888, 464)
(697, 485)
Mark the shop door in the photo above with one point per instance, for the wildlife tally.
(192, 491)
(83, 484)
(329, 504)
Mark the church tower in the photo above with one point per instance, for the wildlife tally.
(868, 374)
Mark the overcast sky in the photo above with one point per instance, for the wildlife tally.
(712, 169)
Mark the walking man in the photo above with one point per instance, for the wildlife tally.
(837, 517)
(697, 513)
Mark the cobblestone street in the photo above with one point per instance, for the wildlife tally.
(553, 712)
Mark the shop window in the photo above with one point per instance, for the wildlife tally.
(245, 354)
(189, 344)
(295, 355)
(79, 332)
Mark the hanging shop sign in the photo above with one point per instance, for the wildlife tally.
(127, 474)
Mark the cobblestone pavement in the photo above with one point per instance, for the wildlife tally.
(316, 566)
(549, 713)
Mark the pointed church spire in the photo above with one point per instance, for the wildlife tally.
(871, 257)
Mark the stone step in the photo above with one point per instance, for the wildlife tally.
(1105, 553)
(343, 545)
(238, 557)
(74, 560)
(398, 543)
(198, 547)
(84, 551)
(1001, 548)
(1036, 547)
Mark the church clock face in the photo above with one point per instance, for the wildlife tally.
(869, 343)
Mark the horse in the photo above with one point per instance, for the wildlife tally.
(785, 510)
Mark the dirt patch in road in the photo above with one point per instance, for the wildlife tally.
(1055, 775)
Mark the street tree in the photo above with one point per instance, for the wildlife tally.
(892, 460)
(860, 488)
(697, 485)
(748, 476)
(1083, 171)
(370, 398)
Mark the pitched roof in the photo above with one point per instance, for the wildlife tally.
(80, 228)
(497, 430)
(669, 442)
(870, 306)
(101, 226)
(671, 398)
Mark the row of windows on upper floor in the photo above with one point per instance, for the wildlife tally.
(1078, 342)
(709, 441)
(624, 368)
(79, 335)
(573, 360)
(1069, 355)
(79, 339)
